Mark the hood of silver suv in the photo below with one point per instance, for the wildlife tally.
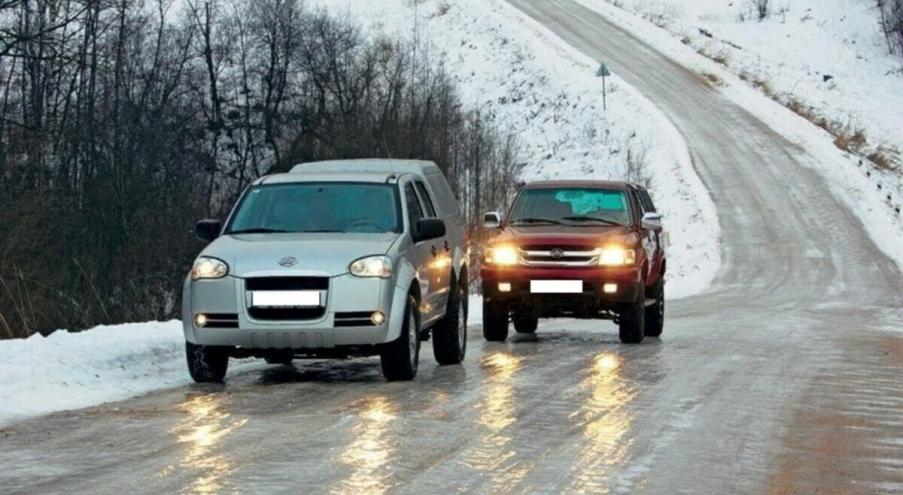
(294, 254)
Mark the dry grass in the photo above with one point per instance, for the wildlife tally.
(713, 79)
(882, 159)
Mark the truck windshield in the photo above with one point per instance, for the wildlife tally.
(571, 206)
(318, 207)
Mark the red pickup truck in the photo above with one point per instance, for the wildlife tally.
(576, 249)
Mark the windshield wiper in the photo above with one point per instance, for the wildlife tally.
(593, 219)
(259, 230)
(527, 221)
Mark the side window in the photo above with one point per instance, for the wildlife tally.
(447, 201)
(648, 205)
(426, 199)
(415, 211)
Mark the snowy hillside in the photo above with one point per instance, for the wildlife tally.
(528, 81)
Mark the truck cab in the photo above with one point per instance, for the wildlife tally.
(576, 249)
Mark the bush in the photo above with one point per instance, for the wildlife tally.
(761, 8)
(892, 24)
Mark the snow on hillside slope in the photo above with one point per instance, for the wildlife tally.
(532, 83)
(875, 196)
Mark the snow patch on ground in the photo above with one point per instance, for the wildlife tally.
(66, 370)
(862, 189)
(528, 81)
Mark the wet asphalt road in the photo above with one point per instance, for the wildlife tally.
(783, 379)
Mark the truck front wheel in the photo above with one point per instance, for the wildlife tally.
(495, 321)
(632, 321)
(655, 314)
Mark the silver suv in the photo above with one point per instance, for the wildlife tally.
(335, 259)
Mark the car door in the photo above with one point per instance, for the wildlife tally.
(441, 265)
(422, 253)
(652, 237)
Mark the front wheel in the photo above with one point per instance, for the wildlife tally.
(207, 364)
(450, 334)
(399, 359)
(655, 314)
(495, 321)
(632, 321)
(525, 323)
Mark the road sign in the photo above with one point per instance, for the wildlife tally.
(603, 72)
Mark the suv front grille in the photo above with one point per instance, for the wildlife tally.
(287, 314)
(263, 284)
(559, 256)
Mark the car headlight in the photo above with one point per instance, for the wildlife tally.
(617, 256)
(206, 267)
(502, 255)
(372, 267)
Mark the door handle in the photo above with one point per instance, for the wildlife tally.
(447, 247)
(434, 250)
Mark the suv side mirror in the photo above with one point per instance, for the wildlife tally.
(492, 220)
(208, 230)
(428, 229)
(652, 221)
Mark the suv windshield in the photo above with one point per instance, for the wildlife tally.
(318, 207)
(571, 206)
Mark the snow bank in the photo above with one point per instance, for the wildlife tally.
(793, 55)
(529, 81)
(66, 370)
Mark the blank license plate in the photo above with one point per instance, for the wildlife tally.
(285, 299)
(556, 286)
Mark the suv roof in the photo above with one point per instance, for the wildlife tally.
(592, 184)
(372, 165)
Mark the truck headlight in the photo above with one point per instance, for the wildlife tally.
(617, 256)
(206, 267)
(502, 255)
(372, 267)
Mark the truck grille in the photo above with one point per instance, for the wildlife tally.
(287, 284)
(559, 256)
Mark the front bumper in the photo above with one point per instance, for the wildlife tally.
(593, 301)
(322, 330)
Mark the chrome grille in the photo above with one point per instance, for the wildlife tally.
(561, 256)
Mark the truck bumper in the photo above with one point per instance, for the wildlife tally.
(511, 287)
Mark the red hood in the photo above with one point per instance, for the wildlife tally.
(565, 236)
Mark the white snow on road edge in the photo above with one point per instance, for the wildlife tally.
(66, 370)
(846, 180)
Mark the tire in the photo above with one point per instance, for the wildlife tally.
(450, 334)
(525, 323)
(655, 315)
(632, 321)
(207, 364)
(399, 359)
(495, 322)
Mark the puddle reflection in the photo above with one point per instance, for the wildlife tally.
(372, 450)
(604, 419)
(201, 436)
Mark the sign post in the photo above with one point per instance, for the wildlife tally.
(603, 73)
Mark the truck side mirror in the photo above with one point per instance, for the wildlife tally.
(208, 230)
(428, 229)
(652, 221)
(492, 220)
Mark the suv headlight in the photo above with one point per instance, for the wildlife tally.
(372, 267)
(617, 256)
(206, 267)
(502, 255)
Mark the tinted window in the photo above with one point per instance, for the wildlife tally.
(572, 205)
(319, 207)
(425, 197)
(646, 200)
(415, 211)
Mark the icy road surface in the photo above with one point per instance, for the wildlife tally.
(785, 378)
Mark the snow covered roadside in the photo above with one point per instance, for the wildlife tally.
(41, 375)
(864, 191)
(531, 82)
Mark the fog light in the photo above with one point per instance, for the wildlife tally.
(504, 287)
(610, 288)
(378, 318)
(200, 320)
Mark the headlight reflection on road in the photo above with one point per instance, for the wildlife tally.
(492, 452)
(201, 436)
(604, 418)
(372, 450)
